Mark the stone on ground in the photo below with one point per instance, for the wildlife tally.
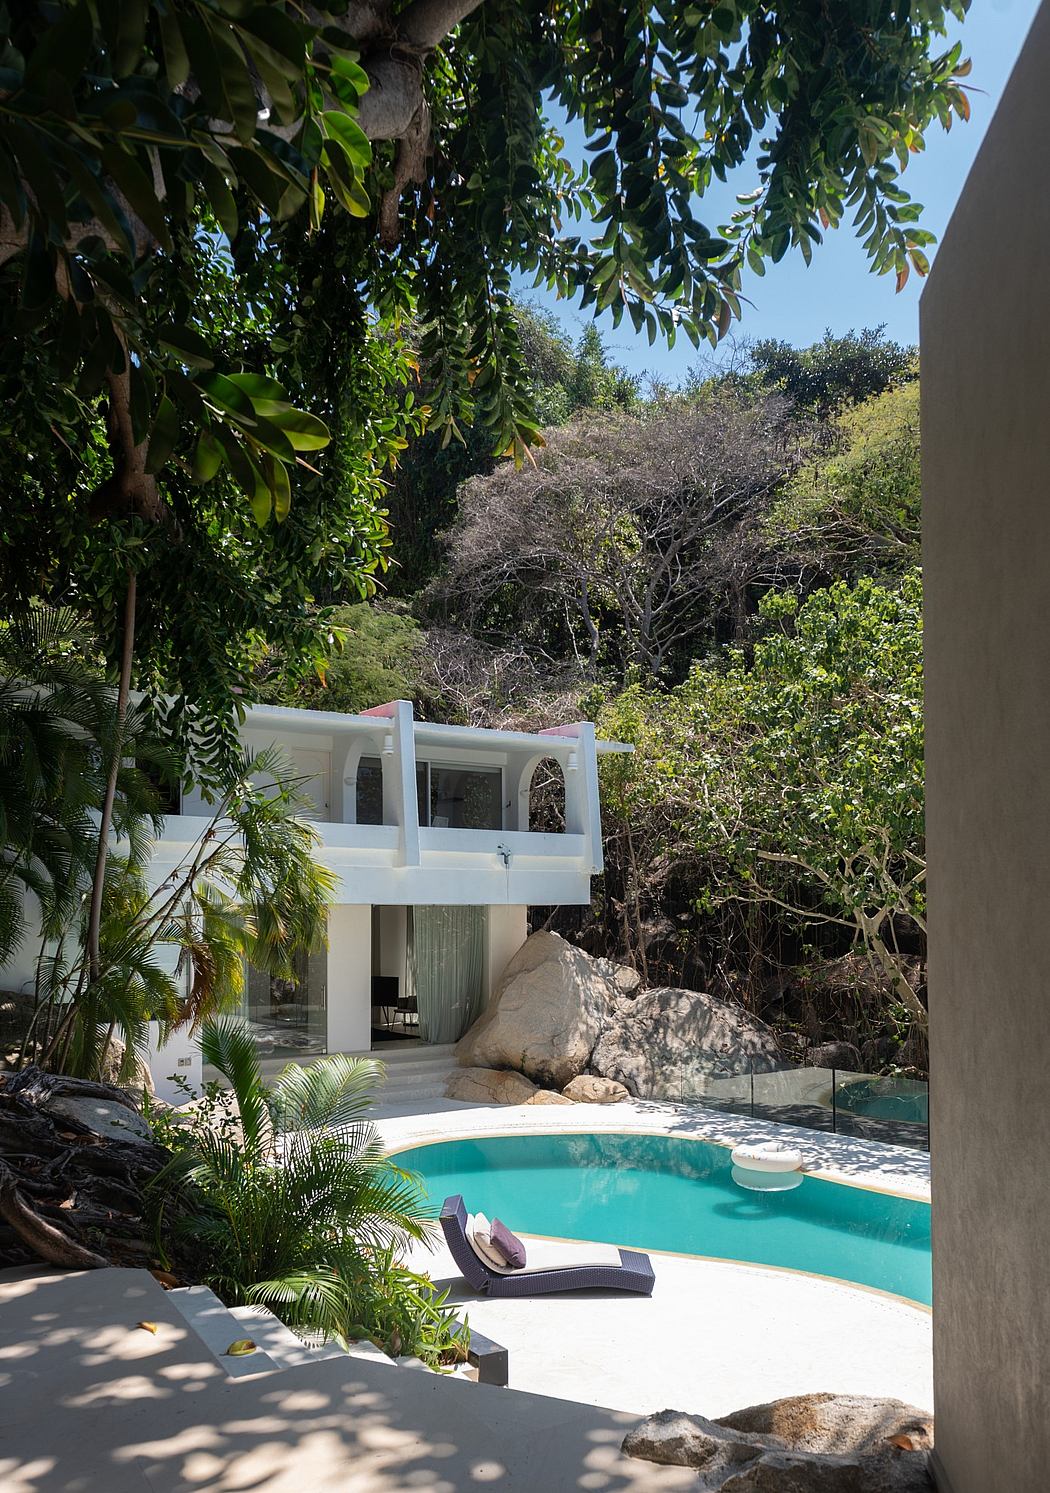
(820, 1443)
(548, 1012)
(103, 1117)
(587, 1089)
(836, 1423)
(548, 1096)
(665, 1043)
(490, 1086)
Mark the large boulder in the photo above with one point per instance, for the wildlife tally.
(548, 1096)
(490, 1086)
(104, 1117)
(820, 1443)
(548, 1012)
(114, 1063)
(844, 1424)
(665, 1043)
(586, 1089)
(835, 1055)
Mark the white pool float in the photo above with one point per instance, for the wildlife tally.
(768, 1156)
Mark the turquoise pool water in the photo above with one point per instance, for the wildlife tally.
(661, 1192)
(886, 1099)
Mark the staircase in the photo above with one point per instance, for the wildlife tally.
(415, 1072)
(108, 1382)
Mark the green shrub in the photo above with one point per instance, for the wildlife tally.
(294, 1204)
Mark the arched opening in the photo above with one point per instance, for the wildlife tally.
(546, 797)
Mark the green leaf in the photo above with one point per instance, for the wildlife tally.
(207, 457)
(189, 346)
(304, 431)
(176, 58)
(163, 436)
(138, 188)
(280, 488)
(225, 393)
(131, 37)
(349, 136)
(257, 387)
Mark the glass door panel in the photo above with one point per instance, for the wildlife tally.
(288, 1017)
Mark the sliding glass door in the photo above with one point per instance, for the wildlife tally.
(288, 1017)
(446, 969)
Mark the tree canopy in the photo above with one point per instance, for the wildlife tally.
(434, 127)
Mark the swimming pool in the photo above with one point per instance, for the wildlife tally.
(664, 1192)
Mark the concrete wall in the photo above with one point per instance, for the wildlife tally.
(986, 460)
(350, 979)
(506, 929)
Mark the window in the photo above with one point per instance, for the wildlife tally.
(446, 797)
(466, 797)
(370, 791)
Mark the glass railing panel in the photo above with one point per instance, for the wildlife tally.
(890, 1108)
(885, 1107)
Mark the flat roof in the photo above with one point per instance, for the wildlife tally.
(557, 742)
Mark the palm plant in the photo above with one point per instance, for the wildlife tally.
(57, 736)
(249, 889)
(297, 1207)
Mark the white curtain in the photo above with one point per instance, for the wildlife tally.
(445, 959)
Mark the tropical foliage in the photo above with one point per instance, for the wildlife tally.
(790, 782)
(117, 946)
(294, 1204)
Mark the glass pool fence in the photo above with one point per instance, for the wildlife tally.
(884, 1107)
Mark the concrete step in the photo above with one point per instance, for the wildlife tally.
(217, 1327)
(289, 1351)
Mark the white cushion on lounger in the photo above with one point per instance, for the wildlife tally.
(544, 1255)
(478, 1235)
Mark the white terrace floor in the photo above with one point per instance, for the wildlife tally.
(715, 1336)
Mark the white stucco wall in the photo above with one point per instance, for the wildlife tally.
(506, 929)
(179, 1057)
(350, 979)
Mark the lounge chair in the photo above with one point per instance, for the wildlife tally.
(633, 1273)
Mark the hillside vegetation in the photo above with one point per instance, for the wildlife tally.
(726, 576)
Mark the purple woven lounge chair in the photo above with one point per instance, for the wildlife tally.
(634, 1272)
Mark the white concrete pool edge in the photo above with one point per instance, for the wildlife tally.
(834, 1158)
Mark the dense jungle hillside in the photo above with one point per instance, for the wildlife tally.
(725, 575)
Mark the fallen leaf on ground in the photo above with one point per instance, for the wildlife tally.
(147, 1326)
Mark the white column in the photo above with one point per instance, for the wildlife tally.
(506, 929)
(582, 806)
(350, 978)
(399, 782)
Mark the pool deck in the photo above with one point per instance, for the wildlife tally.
(715, 1335)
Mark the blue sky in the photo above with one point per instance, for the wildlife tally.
(837, 290)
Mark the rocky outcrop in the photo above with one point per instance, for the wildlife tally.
(548, 1096)
(821, 1443)
(666, 1042)
(490, 1086)
(552, 1004)
(140, 1078)
(835, 1055)
(586, 1089)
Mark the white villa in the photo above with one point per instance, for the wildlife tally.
(428, 829)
